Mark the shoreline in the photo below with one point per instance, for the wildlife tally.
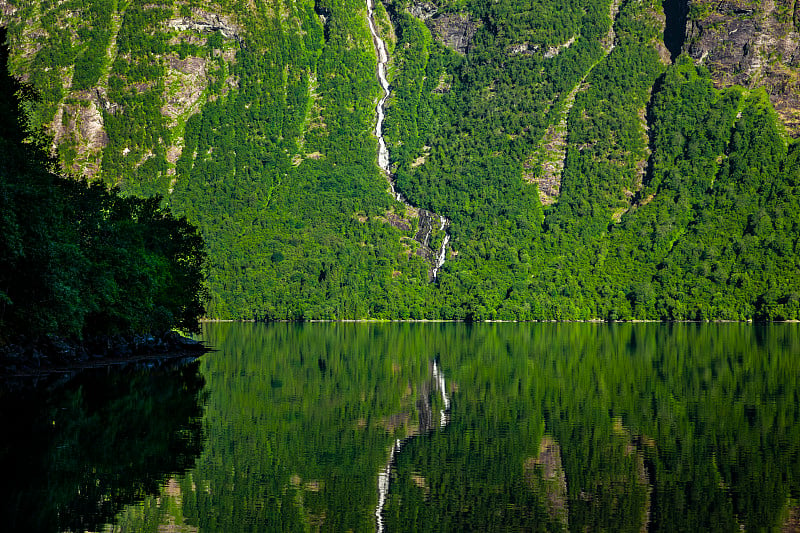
(53, 355)
(446, 321)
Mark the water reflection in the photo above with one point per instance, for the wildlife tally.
(75, 451)
(424, 403)
(537, 427)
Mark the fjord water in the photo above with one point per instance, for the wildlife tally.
(548, 427)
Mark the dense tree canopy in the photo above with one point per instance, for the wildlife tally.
(673, 200)
(77, 259)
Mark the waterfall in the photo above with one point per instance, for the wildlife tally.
(383, 60)
(383, 150)
(443, 250)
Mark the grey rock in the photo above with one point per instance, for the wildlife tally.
(206, 23)
(454, 30)
(423, 10)
(754, 45)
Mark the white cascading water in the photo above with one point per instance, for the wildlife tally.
(384, 475)
(383, 60)
(442, 251)
(380, 112)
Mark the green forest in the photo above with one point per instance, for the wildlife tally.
(78, 260)
(676, 199)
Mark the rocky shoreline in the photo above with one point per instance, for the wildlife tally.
(57, 355)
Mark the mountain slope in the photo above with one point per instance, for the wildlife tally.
(583, 173)
(753, 44)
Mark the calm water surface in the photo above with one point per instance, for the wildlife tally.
(420, 427)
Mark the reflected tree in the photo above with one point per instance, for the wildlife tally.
(75, 453)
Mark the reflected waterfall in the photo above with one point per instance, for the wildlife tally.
(425, 426)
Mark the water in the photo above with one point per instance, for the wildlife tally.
(489, 427)
(383, 60)
(382, 55)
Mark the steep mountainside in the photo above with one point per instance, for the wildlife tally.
(754, 44)
(586, 169)
(103, 66)
(253, 120)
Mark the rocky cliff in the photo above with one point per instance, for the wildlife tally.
(454, 30)
(546, 135)
(101, 66)
(754, 44)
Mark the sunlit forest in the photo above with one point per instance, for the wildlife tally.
(587, 171)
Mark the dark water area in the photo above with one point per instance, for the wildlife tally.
(676, 13)
(76, 450)
(423, 427)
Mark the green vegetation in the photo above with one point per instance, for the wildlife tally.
(711, 235)
(77, 260)
(286, 189)
(702, 228)
(677, 201)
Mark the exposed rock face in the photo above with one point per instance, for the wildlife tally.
(454, 30)
(187, 79)
(754, 44)
(523, 48)
(82, 126)
(103, 101)
(7, 9)
(428, 225)
(79, 125)
(398, 222)
(423, 10)
(206, 23)
(544, 168)
(427, 222)
(546, 165)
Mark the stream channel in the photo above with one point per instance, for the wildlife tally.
(423, 236)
